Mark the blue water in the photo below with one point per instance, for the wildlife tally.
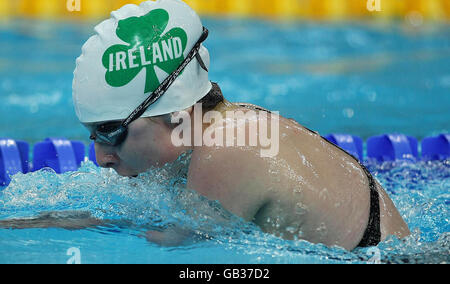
(356, 78)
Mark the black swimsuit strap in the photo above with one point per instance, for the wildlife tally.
(372, 235)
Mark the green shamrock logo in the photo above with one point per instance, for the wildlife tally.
(146, 49)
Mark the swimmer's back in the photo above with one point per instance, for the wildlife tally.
(311, 190)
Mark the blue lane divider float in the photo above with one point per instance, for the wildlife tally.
(392, 147)
(59, 154)
(92, 153)
(436, 148)
(350, 143)
(386, 147)
(13, 159)
(63, 155)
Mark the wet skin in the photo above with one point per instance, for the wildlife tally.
(311, 190)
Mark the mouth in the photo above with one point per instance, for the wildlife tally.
(125, 174)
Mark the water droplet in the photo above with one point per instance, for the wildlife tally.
(348, 112)
(291, 229)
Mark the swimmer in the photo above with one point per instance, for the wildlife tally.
(147, 65)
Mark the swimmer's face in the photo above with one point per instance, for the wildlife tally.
(148, 144)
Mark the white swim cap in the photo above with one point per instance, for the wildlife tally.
(131, 54)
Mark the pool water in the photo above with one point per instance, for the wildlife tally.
(156, 199)
(358, 78)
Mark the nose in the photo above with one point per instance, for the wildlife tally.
(106, 156)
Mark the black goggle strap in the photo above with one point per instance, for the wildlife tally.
(167, 82)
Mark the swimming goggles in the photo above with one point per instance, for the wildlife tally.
(115, 132)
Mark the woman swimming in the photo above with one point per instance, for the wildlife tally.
(136, 87)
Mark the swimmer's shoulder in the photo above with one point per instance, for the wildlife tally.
(292, 121)
(232, 176)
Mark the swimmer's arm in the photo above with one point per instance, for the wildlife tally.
(237, 187)
(171, 237)
(235, 177)
(69, 220)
